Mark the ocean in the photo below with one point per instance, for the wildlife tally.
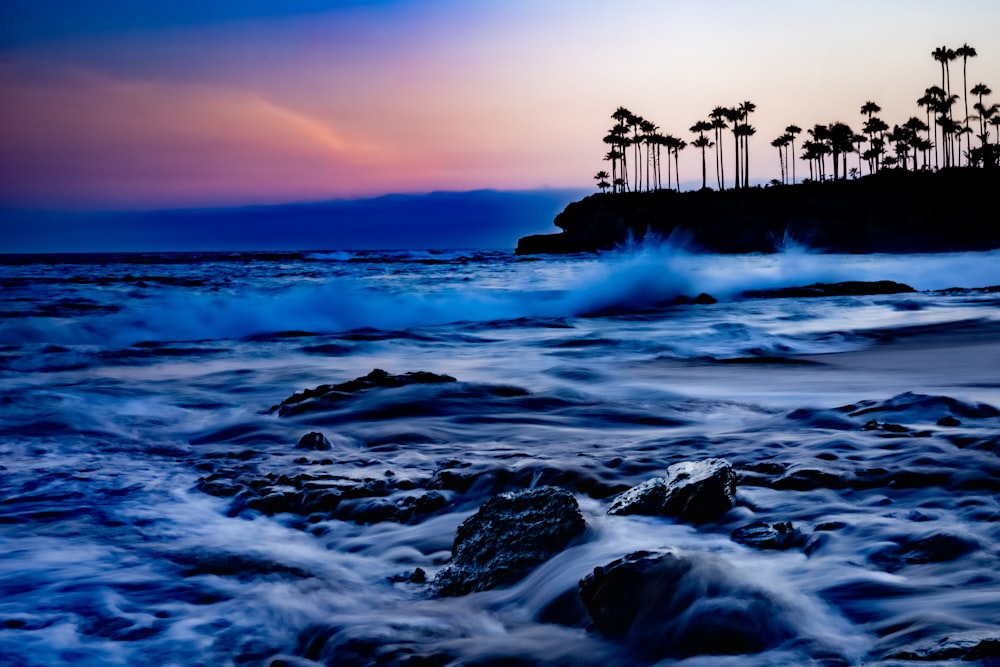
(156, 508)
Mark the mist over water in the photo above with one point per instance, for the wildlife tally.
(155, 510)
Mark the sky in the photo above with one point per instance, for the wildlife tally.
(118, 104)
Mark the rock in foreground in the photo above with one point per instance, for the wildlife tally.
(509, 536)
(696, 491)
(664, 605)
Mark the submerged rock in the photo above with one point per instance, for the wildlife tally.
(693, 490)
(665, 605)
(970, 646)
(509, 536)
(846, 288)
(780, 536)
(936, 548)
(378, 378)
(315, 441)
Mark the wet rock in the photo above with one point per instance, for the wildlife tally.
(936, 548)
(315, 441)
(780, 536)
(846, 288)
(311, 399)
(508, 537)
(665, 605)
(693, 490)
(948, 420)
(967, 646)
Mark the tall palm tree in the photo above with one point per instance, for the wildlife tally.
(820, 135)
(733, 115)
(702, 142)
(928, 101)
(792, 131)
(746, 108)
(965, 52)
(718, 119)
(678, 146)
(780, 143)
(621, 117)
(635, 122)
(869, 108)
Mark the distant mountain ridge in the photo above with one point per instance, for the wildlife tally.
(436, 220)
(893, 211)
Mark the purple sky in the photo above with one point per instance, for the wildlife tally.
(122, 104)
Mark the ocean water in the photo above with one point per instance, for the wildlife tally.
(154, 509)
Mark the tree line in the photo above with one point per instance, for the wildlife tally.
(636, 145)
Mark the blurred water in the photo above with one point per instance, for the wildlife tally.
(127, 381)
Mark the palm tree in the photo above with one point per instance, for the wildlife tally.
(915, 127)
(858, 139)
(869, 108)
(781, 143)
(602, 180)
(841, 138)
(718, 119)
(732, 115)
(792, 131)
(648, 130)
(929, 100)
(965, 52)
(702, 142)
(820, 134)
(620, 130)
(635, 122)
(678, 146)
(981, 89)
(747, 108)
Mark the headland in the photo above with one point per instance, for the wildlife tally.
(892, 211)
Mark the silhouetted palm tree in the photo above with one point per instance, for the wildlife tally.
(792, 131)
(747, 108)
(620, 130)
(841, 138)
(915, 126)
(702, 142)
(781, 143)
(733, 115)
(718, 119)
(965, 52)
(981, 89)
(602, 180)
(857, 140)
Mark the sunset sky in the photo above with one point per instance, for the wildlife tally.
(116, 104)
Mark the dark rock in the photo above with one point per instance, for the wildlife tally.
(315, 441)
(937, 548)
(705, 299)
(664, 605)
(971, 646)
(693, 490)
(377, 379)
(846, 288)
(508, 537)
(780, 536)
(948, 420)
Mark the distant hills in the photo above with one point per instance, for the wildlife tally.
(476, 219)
(892, 211)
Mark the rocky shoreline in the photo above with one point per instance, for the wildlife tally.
(893, 211)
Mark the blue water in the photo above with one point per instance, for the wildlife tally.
(135, 389)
